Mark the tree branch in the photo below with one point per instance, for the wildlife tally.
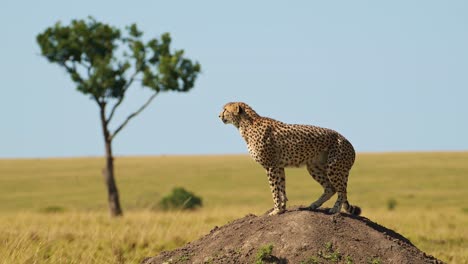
(132, 78)
(88, 68)
(114, 108)
(134, 114)
(72, 69)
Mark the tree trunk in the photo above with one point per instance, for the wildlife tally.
(108, 171)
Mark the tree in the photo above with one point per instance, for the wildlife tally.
(104, 63)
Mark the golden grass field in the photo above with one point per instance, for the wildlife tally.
(55, 211)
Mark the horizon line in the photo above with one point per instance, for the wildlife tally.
(222, 154)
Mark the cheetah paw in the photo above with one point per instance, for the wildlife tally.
(311, 207)
(276, 211)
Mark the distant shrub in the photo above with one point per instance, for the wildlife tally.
(391, 204)
(53, 209)
(180, 199)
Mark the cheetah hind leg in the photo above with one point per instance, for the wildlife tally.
(339, 203)
(339, 181)
(317, 171)
(327, 194)
(343, 201)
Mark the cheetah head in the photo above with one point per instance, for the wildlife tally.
(232, 113)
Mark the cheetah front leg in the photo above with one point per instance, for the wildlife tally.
(276, 178)
(283, 197)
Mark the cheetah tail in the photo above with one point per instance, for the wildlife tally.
(352, 209)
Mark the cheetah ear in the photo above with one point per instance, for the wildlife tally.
(236, 109)
(240, 110)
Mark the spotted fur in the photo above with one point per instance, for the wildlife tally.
(275, 145)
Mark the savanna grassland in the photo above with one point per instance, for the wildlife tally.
(55, 211)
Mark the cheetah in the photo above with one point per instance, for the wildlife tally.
(275, 145)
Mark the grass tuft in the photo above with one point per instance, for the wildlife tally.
(375, 260)
(329, 253)
(264, 253)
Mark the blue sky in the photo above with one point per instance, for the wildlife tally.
(389, 75)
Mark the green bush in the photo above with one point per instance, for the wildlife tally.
(180, 199)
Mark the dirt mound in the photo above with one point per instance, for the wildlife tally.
(298, 237)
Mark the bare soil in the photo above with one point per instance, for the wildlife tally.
(298, 237)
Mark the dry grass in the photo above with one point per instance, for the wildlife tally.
(54, 211)
(92, 237)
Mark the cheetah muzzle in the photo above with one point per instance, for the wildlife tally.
(327, 155)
